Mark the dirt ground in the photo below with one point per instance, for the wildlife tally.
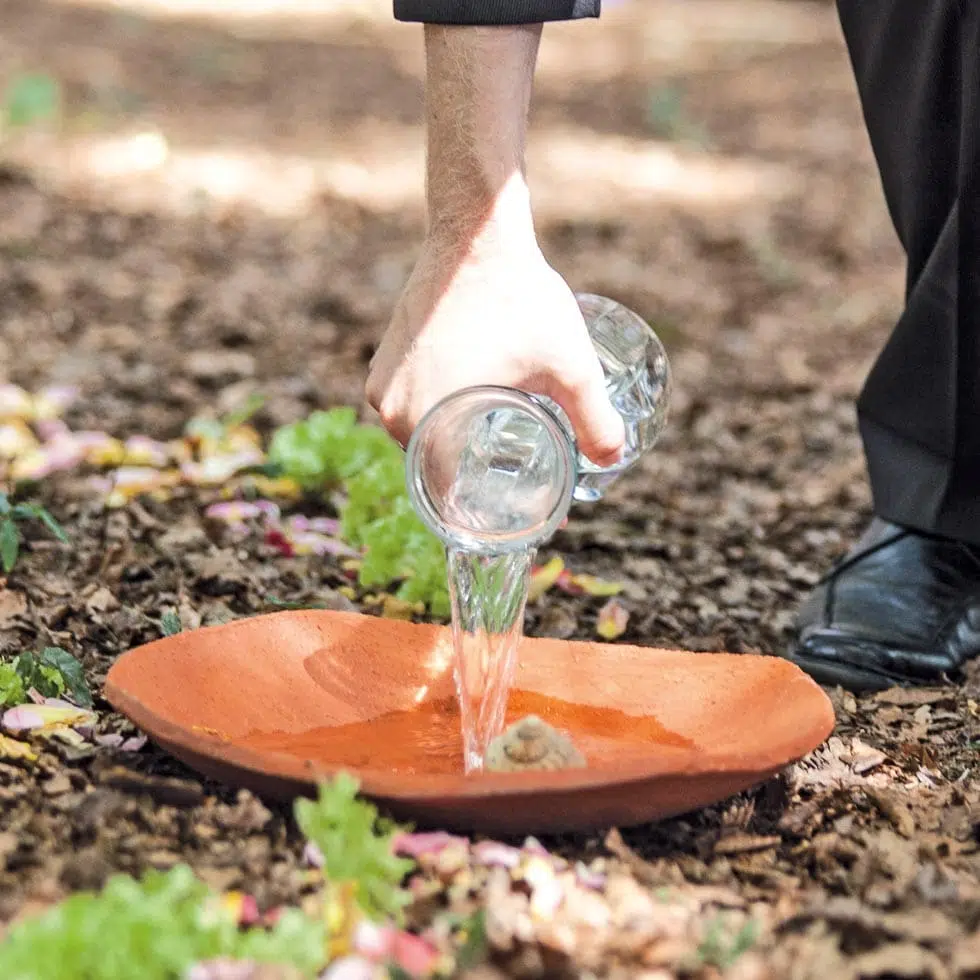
(232, 204)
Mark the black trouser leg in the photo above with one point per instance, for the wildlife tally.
(917, 64)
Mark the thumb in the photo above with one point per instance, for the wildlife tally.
(599, 428)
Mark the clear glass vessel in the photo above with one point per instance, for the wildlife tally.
(495, 469)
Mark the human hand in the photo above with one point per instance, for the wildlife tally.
(498, 315)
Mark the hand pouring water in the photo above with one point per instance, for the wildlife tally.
(493, 472)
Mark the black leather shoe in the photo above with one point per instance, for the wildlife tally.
(902, 608)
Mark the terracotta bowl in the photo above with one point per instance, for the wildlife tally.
(276, 702)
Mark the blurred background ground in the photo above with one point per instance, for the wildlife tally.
(231, 203)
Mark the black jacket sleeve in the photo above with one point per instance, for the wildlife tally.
(479, 12)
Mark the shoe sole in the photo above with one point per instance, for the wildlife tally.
(858, 680)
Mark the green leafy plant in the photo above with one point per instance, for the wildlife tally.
(170, 624)
(157, 928)
(51, 673)
(474, 944)
(719, 948)
(30, 99)
(356, 846)
(331, 451)
(11, 515)
(668, 120)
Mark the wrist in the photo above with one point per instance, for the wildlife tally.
(473, 218)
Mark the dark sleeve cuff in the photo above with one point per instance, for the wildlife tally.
(485, 12)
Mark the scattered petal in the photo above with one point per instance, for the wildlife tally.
(241, 907)
(533, 846)
(322, 525)
(431, 842)
(58, 703)
(217, 469)
(588, 878)
(373, 940)
(112, 740)
(491, 853)
(275, 538)
(413, 954)
(589, 585)
(10, 748)
(353, 968)
(51, 402)
(238, 511)
(180, 451)
(45, 460)
(312, 855)
(51, 429)
(23, 718)
(129, 482)
(99, 448)
(612, 621)
(143, 451)
(312, 543)
(225, 969)
(133, 744)
(282, 487)
(543, 577)
(41, 717)
(546, 890)
(16, 439)
(15, 403)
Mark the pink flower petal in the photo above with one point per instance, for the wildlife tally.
(417, 845)
(235, 511)
(15, 403)
(491, 853)
(372, 940)
(613, 620)
(23, 718)
(312, 855)
(59, 703)
(33, 717)
(352, 968)
(276, 539)
(143, 451)
(413, 954)
(133, 744)
(51, 402)
(44, 461)
(224, 969)
(588, 878)
(51, 429)
(312, 543)
(16, 439)
(214, 470)
(111, 740)
(249, 914)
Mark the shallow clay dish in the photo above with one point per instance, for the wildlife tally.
(275, 702)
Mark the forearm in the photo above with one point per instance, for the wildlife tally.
(478, 92)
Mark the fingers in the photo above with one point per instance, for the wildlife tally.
(599, 428)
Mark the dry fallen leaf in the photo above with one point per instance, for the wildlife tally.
(12, 604)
